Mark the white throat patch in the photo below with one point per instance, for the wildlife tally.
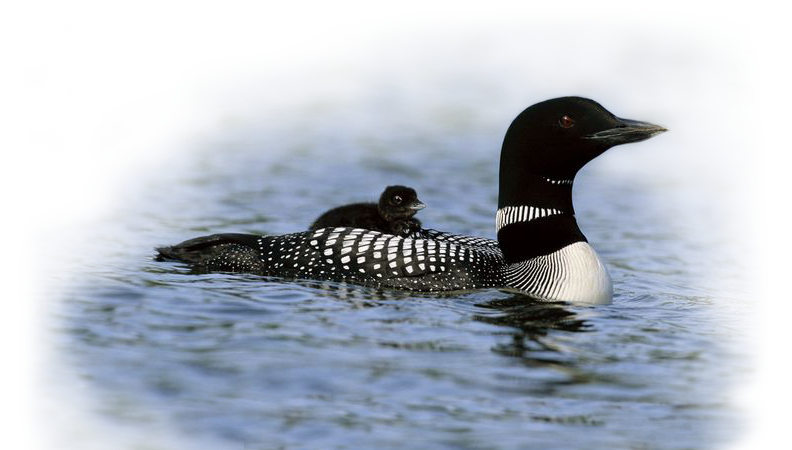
(551, 181)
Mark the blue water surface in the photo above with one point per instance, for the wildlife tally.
(255, 363)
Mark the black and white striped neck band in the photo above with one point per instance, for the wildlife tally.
(513, 214)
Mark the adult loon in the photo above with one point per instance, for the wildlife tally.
(393, 213)
(540, 250)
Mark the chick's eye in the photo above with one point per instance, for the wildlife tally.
(566, 122)
(396, 200)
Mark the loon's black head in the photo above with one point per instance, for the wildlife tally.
(557, 137)
(552, 140)
(398, 202)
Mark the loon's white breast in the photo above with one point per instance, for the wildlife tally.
(574, 273)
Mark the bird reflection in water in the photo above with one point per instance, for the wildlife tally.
(531, 320)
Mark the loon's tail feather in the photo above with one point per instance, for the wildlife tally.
(201, 249)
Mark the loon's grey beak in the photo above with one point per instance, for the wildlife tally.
(627, 131)
(417, 205)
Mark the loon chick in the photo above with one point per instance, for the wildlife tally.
(540, 250)
(393, 214)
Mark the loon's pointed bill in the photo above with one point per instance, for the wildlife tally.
(627, 131)
(540, 250)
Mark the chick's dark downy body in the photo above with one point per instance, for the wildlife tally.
(393, 214)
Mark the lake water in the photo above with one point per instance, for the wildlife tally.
(243, 362)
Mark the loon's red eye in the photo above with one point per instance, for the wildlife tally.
(566, 122)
